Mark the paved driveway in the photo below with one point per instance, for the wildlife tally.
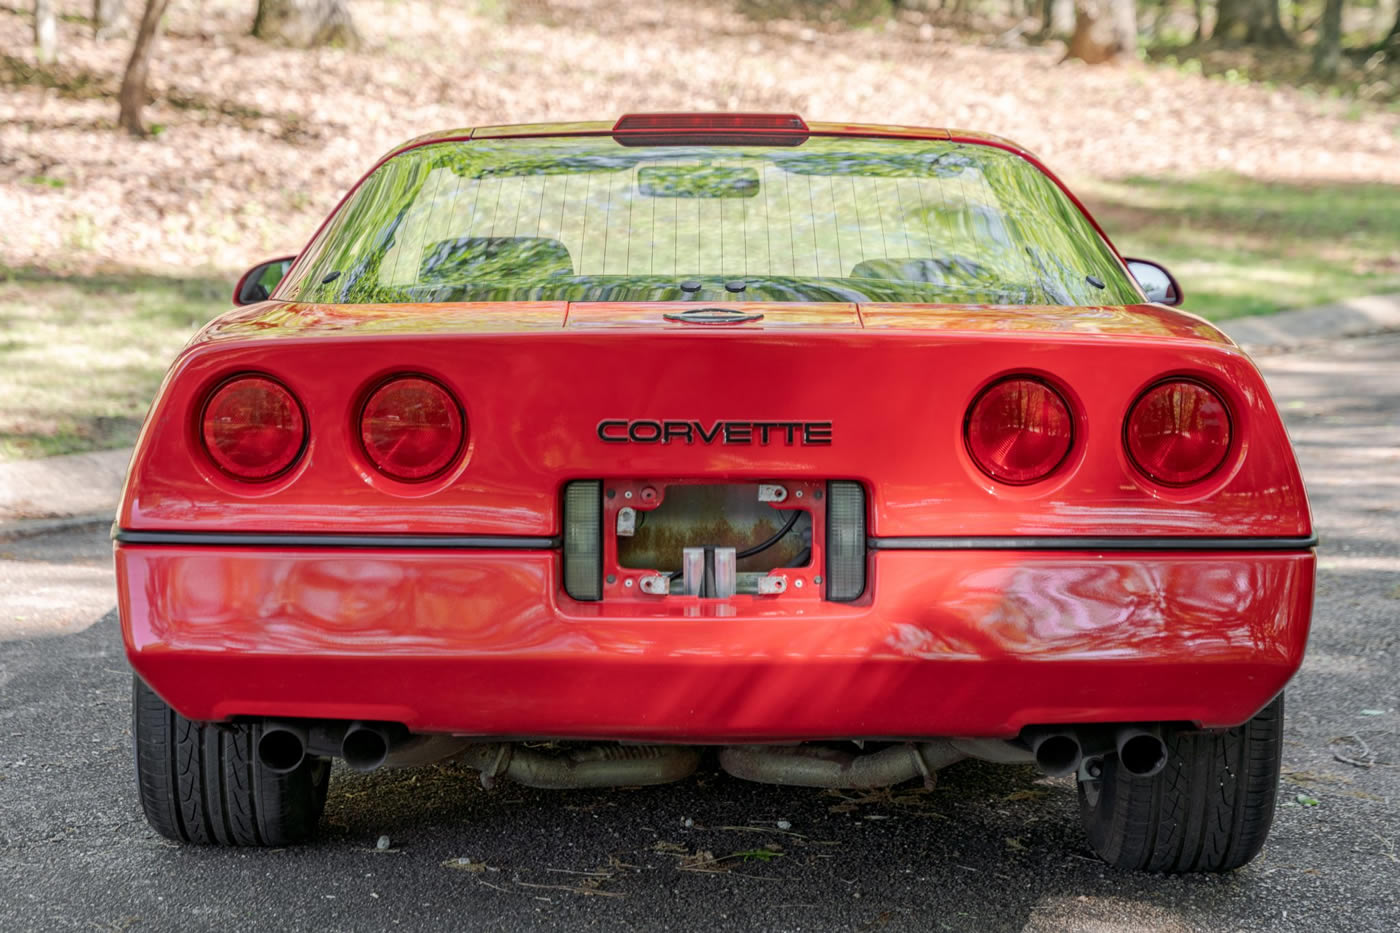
(990, 849)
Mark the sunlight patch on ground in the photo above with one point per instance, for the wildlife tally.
(1086, 914)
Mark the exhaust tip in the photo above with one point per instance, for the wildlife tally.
(281, 750)
(364, 749)
(1058, 754)
(1142, 754)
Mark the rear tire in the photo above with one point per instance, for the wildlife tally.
(1209, 809)
(202, 782)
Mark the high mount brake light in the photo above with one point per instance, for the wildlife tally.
(1178, 432)
(253, 428)
(411, 428)
(1019, 430)
(688, 129)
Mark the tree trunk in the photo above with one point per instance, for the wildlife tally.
(133, 93)
(1327, 54)
(1231, 21)
(1252, 22)
(1124, 16)
(45, 32)
(1200, 7)
(1392, 41)
(108, 18)
(1103, 31)
(1056, 18)
(306, 23)
(1271, 31)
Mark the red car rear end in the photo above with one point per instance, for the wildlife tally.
(736, 433)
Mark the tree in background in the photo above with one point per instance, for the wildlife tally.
(108, 18)
(1255, 22)
(1327, 53)
(306, 23)
(45, 31)
(132, 96)
(1056, 18)
(1103, 30)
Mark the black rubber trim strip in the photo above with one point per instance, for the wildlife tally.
(259, 539)
(1077, 543)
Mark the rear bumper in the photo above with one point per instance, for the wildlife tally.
(944, 643)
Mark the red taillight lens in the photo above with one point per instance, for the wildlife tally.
(1019, 430)
(1178, 432)
(411, 428)
(253, 428)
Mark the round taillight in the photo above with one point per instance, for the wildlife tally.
(253, 428)
(411, 428)
(1019, 430)
(1178, 432)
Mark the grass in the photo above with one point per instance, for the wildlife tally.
(82, 356)
(1240, 246)
(1362, 75)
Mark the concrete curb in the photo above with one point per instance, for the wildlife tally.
(40, 496)
(29, 527)
(1286, 330)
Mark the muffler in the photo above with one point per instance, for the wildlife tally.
(823, 766)
(282, 746)
(593, 766)
(1141, 752)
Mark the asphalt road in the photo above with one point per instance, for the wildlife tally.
(992, 848)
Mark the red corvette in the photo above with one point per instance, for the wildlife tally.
(838, 452)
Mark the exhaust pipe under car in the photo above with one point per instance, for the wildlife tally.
(282, 747)
(1141, 752)
(1061, 751)
(366, 745)
(1057, 753)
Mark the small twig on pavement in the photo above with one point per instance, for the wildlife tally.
(587, 874)
(780, 832)
(571, 890)
(1365, 760)
(1389, 845)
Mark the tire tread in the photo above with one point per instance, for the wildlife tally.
(1208, 810)
(201, 783)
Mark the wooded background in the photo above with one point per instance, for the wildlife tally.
(1095, 31)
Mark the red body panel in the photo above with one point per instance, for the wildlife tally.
(535, 385)
(963, 643)
(972, 642)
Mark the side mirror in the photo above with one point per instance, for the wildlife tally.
(258, 282)
(1157, 283)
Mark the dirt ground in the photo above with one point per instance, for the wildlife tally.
(256, 143)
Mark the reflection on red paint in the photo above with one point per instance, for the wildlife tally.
(970, 643)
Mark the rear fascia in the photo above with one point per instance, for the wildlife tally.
(971, 643)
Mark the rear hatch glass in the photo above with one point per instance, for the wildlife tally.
(834, 220)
